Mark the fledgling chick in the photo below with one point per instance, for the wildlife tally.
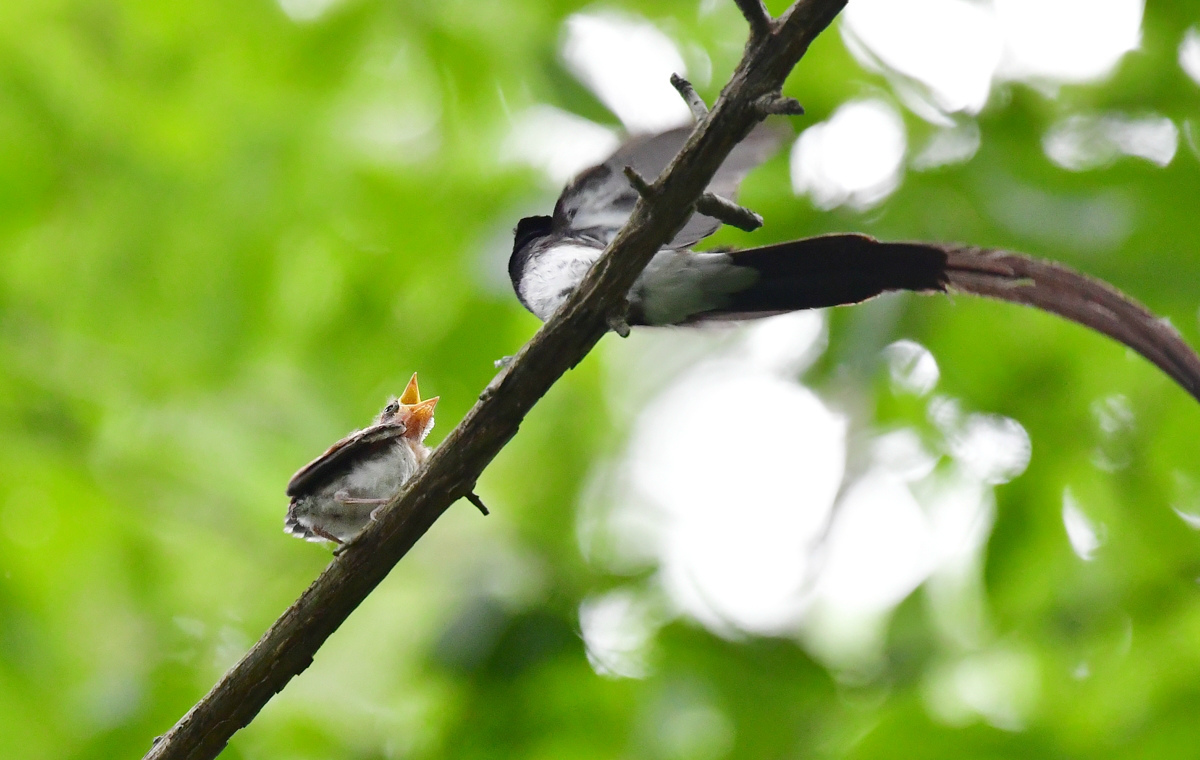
(336, 495)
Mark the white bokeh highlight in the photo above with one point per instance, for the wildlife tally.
(627, 62)
(999, 686)
(954, 145)
(1189, 54)
(853, 159)
(912, 367)
(689, 726)
(744, 467)
(558, 143)
(992, 448)
(617, 629)
(303, 11)
(945, 57)
(952, 47)
(879, 550)
(1116, 422)
(1190, 519)
(902, 453)
(734, 485)
(1083, 142)
(914, 517)
(1067, 41)
(785, 345)
(1085, 536)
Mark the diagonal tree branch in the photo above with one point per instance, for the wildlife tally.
(288, 647)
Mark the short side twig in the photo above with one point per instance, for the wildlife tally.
(728, 212)
(694, 102)
(478, 502)
(770, 105)
(644, 188)
(757, 16)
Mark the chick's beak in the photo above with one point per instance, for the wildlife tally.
(420, 416)
(412, 394)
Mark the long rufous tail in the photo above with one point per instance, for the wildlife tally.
(834, 270)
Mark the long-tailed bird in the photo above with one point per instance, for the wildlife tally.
(551, 255)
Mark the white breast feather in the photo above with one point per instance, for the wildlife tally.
(674, 286)
(553, 274)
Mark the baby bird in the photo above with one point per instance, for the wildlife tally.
(337, 494)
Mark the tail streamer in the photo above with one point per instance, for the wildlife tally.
(835, 270)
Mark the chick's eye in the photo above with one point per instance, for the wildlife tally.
(391, 408)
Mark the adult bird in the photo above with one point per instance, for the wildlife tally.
(680, 286)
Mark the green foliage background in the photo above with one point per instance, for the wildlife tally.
(204, 281)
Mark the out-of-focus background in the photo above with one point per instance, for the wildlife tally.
(921, 527)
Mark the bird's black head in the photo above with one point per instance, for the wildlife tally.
(529, 229)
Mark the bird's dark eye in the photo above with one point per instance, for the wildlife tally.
(392, 408)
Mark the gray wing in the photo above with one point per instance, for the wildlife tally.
(599, 201)
(342, 455)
